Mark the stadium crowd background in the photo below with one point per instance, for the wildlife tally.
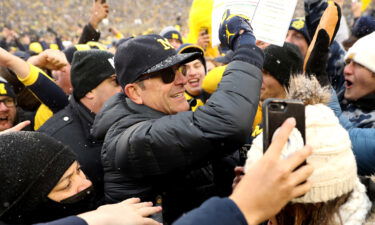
(128, 16)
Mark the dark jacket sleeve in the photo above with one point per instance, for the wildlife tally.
(89, 34)
(189, 138)
(71, 220)
(45, 89)
(214, 211)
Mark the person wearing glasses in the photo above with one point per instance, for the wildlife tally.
(8, 110)
(154, 147)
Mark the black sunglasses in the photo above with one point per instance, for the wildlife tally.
(167, 75)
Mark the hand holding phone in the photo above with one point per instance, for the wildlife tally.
(275, 112)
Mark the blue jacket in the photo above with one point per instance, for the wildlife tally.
(214, 211)
(71, 220)
(363, 140)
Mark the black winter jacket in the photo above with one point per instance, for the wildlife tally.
(72, 127)
(170, 154)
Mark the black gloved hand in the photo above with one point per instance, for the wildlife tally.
(317, 62)
(235, 30)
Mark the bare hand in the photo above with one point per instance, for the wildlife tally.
(356, 9)
(4, 57)
(49, 59)
(261, 44)
(18, 127)
(272, 182)
(128, 212)
(99, 11)
(239, 172)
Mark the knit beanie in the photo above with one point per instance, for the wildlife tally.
(89, 69)
(188, 48)
(6, 89)
(282, 62)
(171, 33)
(363, 52)
(299, 25)
(31, 164)
(363, 26)
(335, 169)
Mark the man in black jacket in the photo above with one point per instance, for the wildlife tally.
(154, 147)
(94, 81)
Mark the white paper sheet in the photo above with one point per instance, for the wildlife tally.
(269, 18)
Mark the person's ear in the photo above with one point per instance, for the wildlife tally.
(133, 91)
(90, 95)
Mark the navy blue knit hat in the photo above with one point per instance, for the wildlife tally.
(6, 89)
(188, 48)
(299, 25)
(363, 26)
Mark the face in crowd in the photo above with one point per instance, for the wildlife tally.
(175, 43)
(62, 78)
(99, 95)
(71, 183)
(195, 73)
(162, 90)
(8, 112)
(359, 81)
(298, 39)
(271, 88)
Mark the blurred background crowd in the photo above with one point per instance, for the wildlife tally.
(48, 18)
(68, 16)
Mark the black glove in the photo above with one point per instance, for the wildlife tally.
(317, 62)
(229, 31)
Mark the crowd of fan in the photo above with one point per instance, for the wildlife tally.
(66, 17)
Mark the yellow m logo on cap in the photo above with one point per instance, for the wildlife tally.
(3, 91)
(174, 36)
(165, 44)
(298, 24)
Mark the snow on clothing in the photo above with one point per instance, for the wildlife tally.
(177, 148)
(361, 112)
(72, 127)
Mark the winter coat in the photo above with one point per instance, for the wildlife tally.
(89, 34)
(72, 127)
(360, 112)
(170, 154)
(214, 211)
(363, 141)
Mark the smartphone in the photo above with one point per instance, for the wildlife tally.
(275, 112)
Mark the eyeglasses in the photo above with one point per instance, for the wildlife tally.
(167, 75)
(8, 102)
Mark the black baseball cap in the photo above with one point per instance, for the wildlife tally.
(147, 54)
